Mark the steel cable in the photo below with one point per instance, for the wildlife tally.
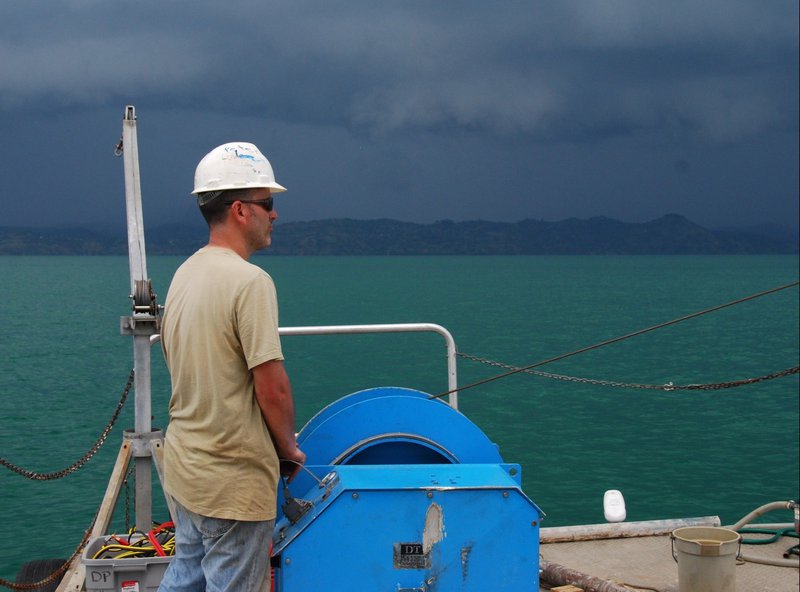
(517, 370)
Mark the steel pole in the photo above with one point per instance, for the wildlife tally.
(137, 259)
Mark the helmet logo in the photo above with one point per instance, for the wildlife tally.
(231, 152)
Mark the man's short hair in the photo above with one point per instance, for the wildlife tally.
(213, 207)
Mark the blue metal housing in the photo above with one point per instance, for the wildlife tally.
(405, 494)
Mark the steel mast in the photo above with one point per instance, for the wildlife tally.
(141, 325)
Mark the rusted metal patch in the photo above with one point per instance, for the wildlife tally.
(417, 555)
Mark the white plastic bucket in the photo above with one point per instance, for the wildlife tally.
(706, 558)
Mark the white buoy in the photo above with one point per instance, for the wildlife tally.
(614, 506)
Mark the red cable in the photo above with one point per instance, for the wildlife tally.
(152, 536)
(156, 545)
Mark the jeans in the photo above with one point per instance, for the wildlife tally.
(216, 555)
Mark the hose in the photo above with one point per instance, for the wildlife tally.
(776, 533)
(786, 505)
(767, 561)
(760, 511)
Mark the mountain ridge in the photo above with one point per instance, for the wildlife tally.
(668, 235)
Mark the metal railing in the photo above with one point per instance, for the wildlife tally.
(452, 373)
(452, 376)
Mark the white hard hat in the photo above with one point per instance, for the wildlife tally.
(236, 165)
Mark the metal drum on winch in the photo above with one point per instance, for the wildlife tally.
(402, 492)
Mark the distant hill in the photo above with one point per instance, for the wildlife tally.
(668, 235)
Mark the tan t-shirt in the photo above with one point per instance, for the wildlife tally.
(220, 320)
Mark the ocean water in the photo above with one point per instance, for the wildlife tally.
(63, 365)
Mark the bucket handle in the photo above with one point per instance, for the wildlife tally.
(675, 556)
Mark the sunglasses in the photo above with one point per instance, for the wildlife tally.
(264, 203)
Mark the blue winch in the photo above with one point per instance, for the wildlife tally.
(403, 493)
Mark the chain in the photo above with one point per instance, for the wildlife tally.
(57, 574)
(83, 460)
(516, 370)
(612, 383)
(128, 498)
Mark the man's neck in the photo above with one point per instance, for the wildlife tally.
(218, 237)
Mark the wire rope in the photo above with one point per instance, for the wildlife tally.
(614, 340)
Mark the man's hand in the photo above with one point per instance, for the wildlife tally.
(291, 463)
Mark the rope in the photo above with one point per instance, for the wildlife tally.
(85, 458)
(517, 370)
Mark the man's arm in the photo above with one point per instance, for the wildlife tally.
(274, 397)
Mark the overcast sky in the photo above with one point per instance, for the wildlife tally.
(412, 110)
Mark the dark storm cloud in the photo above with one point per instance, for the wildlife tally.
(585, 105)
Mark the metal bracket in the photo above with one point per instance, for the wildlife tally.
(294, 508)
(139, 325)
(141, 443)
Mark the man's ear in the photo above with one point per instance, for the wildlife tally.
(237, 211)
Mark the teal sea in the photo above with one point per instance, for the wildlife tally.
(63, 365)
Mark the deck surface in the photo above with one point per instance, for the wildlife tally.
(646, 563)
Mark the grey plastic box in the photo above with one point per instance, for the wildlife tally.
(122, 575)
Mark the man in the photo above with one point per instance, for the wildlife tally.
(231, 410)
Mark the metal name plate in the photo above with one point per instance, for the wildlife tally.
(411, 556)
